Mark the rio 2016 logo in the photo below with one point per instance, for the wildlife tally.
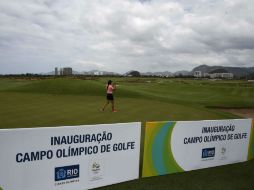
(208, 152)
(96, 167)
(66, 172)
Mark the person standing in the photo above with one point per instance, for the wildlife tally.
(110, 88)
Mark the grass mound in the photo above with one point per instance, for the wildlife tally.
(64, 86)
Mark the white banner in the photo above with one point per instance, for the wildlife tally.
(203, 144)
(178, 146)
(69, 158)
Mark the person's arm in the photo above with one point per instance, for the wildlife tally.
(114, 86)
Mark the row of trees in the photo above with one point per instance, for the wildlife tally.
(129, 74)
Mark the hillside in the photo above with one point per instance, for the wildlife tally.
(237, 71)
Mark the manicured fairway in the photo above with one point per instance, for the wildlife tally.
(61, 102)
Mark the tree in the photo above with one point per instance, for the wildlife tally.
(134, 74)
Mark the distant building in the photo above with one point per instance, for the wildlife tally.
(98, 73)
(207, 75)
(66, 71)
(56, 71)
(198, 74)
(221, 73)
(218, 73)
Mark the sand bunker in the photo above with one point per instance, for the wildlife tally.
(243, 112)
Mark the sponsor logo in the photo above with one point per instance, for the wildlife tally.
(96, 167)
(223, 151)
(66, 172)
(96, 170)
(208, 152)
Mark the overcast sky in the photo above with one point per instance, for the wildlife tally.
(121, 35)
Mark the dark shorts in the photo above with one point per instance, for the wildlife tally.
(110, 97)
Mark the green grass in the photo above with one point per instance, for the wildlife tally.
(39, 110)
(61, 102)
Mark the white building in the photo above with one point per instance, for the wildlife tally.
(222, 75)
(218, 73)
(98, 73)
(198, 74)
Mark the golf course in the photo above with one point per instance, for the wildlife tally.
(70, 101)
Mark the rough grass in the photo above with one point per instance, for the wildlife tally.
(59, 102)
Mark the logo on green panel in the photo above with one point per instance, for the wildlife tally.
(158, 156)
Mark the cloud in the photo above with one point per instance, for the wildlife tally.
(145, 35)
(88, 65)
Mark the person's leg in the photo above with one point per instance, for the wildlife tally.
(113, 106)
(104, 107)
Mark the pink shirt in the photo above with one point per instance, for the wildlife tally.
(110, 89)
